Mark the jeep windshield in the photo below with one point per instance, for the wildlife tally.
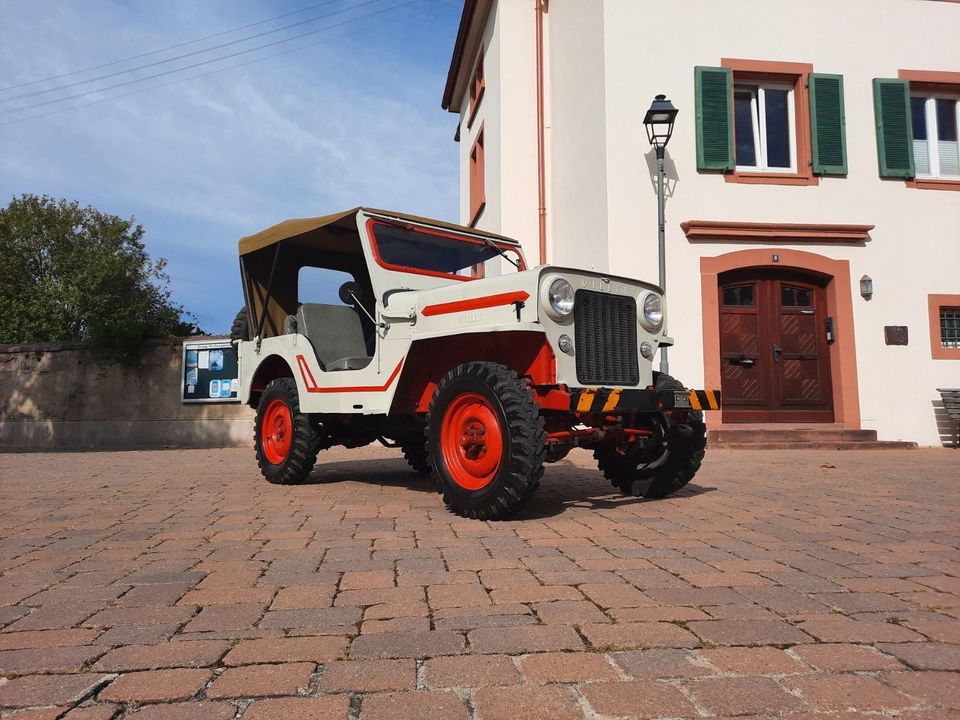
(434, 252)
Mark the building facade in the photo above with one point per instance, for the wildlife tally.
(812, 185)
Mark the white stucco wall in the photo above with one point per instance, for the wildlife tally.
(607, 59)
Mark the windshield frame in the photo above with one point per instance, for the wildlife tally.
(371, 235)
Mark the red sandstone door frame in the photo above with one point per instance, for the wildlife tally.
(839, 298)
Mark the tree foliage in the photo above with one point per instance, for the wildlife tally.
(76, 274)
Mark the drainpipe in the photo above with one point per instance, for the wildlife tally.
(541, 176)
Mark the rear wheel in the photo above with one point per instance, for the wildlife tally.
(286, 442)
(486, 440)
(414, 447)
(664, 468)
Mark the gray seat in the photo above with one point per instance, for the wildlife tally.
(336, 333)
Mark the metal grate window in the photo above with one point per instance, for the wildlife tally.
(950, 327)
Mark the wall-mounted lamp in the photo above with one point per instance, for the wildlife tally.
(866, 287)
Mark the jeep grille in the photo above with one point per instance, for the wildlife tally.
(605, 326)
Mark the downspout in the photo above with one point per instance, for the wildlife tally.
(541, 175)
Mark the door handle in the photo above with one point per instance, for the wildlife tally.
(777, 352)
(743, 361)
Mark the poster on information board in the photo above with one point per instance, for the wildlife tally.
(208, 372)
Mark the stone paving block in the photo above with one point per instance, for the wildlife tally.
(413, 706)
(837, 628)
(639, 635)
(466, 671)
(661, 664)
(407, 644)
(225, 617)
(931, 688)
(48, 660)
(753, 661)
(47, 638)
(615, 595)
(287, 650)
(637, 699)
(658, 613)
(569, 667)
(186, 711)
(845, 657)
(836, 693)
(925, 655)
(261, 680)
(369, 676)
(303, 596)
(329, 707)
(569, 612)
(154, 686)
(198, 653)
(31, 690)
(748, 632)
(760, 696)
(524, 639)
(447, 596)
(526, 703)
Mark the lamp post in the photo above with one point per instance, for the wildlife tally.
(659, 125)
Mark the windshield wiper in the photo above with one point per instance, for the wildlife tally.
(490, 243)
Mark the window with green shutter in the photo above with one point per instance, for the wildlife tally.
(827, 124)
(891, 102)
(714, 117)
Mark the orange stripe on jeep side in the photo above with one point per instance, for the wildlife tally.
(311, 384)
(476, 303)
(586, 399)
(712, 399)
(612, 401)
(694, 400)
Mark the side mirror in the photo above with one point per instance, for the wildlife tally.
(350, 293)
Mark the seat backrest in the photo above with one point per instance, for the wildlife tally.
(334, 330)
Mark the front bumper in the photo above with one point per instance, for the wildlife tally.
(615, 400)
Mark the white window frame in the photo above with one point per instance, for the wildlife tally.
(933, 131)
(760, 126)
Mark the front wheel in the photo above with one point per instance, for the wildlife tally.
(661, 470)
(486, 440)
(286, 442)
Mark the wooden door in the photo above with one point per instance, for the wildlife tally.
(775, 360)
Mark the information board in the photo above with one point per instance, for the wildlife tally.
(208, 372)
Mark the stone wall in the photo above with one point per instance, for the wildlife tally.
(61, 396)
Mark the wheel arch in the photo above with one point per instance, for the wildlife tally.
(270, 368)
(528, 353)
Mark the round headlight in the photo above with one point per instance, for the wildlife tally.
(652, 317)
(561, 297)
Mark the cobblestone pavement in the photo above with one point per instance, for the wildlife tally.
(178, 584)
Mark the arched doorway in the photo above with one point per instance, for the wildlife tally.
(774, 346)
(818, 271)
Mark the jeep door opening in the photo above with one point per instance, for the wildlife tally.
(370, 325)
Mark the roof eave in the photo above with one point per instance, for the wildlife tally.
(469, 36)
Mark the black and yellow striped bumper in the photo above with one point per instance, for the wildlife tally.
(614, 400)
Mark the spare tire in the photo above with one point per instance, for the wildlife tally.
(240, 330)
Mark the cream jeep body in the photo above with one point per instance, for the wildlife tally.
(587, 366)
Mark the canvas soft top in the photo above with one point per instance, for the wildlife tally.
(294, 228)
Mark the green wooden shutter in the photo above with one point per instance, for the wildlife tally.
(828, 124)
(891, 106)
(714, 107)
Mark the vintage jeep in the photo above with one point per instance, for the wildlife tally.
(372, 325)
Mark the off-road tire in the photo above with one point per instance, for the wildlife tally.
(414, 448)
(240, 329)
(660, 476)
(305, 440)
(519, 427)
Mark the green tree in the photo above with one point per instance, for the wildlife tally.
(76, 274)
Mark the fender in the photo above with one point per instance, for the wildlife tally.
(526, 352)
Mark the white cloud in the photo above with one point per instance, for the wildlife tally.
(203, 162)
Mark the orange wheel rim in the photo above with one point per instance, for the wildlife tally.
(471, 441)
(276, 431)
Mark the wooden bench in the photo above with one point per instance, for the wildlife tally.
(951, 403)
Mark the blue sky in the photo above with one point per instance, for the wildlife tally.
(353, 118)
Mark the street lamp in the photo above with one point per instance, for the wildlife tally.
(659, 125)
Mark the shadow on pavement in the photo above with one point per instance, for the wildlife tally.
(567, 486)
